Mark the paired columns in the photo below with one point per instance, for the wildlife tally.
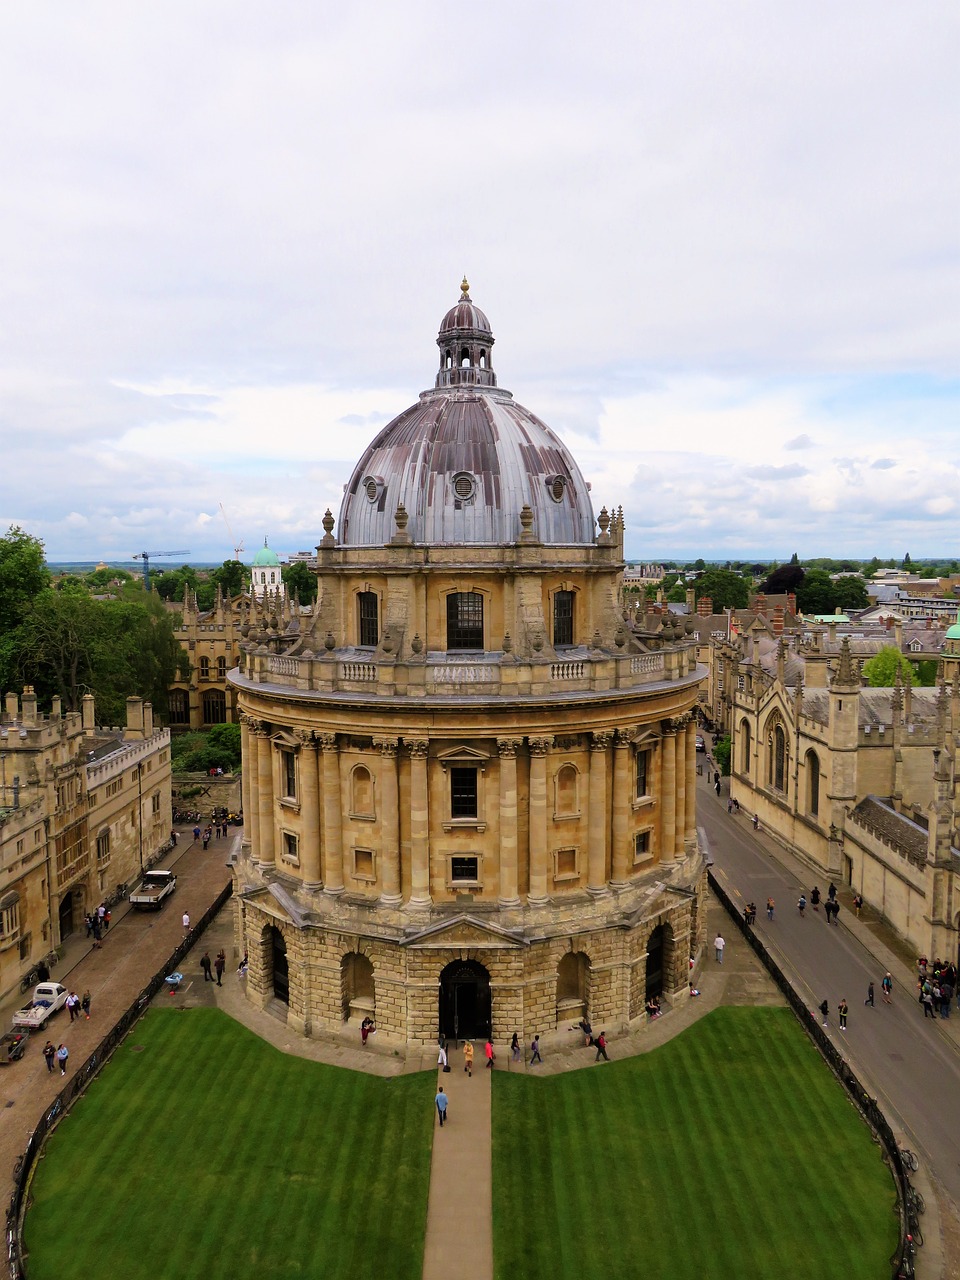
(419, 824)
(509, 874)
(537, 895)
(309, 812)
(332, 811)
(389, 822)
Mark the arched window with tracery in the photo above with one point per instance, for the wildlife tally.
(812, 770)
(777, 771)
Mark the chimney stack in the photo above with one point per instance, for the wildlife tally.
(778, 620)
(134, 718)
(89, 713)
(29, 705)
(704, 607)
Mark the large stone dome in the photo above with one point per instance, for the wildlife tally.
(466, 460)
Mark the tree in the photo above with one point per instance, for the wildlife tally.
(906, 561)
(783, 581)
(23, 575)
(231, 577)
(721, 753)
(726, 590)
(880, 671)
(851, 593)
(300, 580)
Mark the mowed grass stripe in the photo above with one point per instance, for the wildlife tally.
(731, 1150)
(211, 1154)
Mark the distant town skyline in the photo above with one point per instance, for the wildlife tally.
(718, 249)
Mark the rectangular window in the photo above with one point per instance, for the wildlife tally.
(643, 762)
(289, 774)
(566, 864)
(563, 618)
(363, 864)
(463, 793)
(204, 668)
(740, 684)
(464, 870)
(465, 620)
(155, 802)
(368, 608)
(221, 668)
(641, 846)
(103, 848)
(291, 848)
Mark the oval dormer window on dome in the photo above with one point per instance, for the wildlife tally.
(373, 487)
(556, 487)
(464, 486)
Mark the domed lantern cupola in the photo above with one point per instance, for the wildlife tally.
(466, 345)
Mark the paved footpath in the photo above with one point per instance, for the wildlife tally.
(459, 1213)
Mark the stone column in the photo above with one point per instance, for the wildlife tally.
(419, 824)
(265, 853)
(508, 821)
(309, 811)
(537, 895)
(332, 821)
(668, 782)
(691, 822)
(247, 766)
(390, 894)
(621, 808)
(680, 764)
(597, 817)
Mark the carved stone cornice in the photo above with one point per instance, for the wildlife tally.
(306, 738)
(328, 742)
(417, 747)
(600, 741)
(257, 728)
(539, 746)
(388, 747)
(622, 737)
(508, 747)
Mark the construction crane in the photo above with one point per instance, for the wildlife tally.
(237, 547)
(147, 556)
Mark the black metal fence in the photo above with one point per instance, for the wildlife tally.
(868, 1107)
(79, 1081)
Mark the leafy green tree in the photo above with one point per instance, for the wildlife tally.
(23, 575)
(926, 672)
(906, 561)
(301, 581)
(721, 753)
(726, 590)
(880, 671)
(677, 593)
(851, 593)
(231, 577)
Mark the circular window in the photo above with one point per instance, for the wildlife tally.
(557, 485)
(371, 488)
(464, 486)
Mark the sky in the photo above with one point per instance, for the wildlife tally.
(717, 243)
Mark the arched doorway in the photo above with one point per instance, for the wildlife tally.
(465, 1001)
(655, 963)
(65, 914)
(281, 968)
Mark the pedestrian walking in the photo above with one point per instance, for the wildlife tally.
(832, 892)
(858, 905)
(601, 1043)
(186, 922)
(729, 806)
(718, 946)
(886, 986)
(515, 1047)
(442, 1059)
(206, 966)
(756, 822)
(206, 837)
(73, 1005)
(843, 1009)
(173, 839)
(441, 1101)
(769, 908)
(49, 1055)
(85, 1003)
(468, 1057)
(815, 898)
(869, 1000)
(196, 832)
(946, 996)
(489, 1053)
(97, 934)
(836, 912)
(220, 964)
(535, 1051)
(63, 1053)
(825, 1011)
(926, 999)
(801, 905)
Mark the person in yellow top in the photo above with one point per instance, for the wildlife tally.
(468, 1057)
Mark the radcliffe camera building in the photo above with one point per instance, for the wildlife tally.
(469, 772)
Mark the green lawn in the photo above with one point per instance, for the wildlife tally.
(728, 1152)
(210, 1154)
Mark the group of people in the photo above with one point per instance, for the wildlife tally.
(216, 829)
(219, 965)
(599, 1043)
(97, 923)
(936, 987)
(56, 1057)
(78, 1005)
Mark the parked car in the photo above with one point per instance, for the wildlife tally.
(48, 997)
(701, 744)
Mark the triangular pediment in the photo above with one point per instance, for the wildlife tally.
(464, 931)
(463, 755)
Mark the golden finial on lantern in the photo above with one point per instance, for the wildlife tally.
(465, 287)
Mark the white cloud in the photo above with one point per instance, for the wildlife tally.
(718, 246)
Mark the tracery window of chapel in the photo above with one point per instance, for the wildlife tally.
(563, 618)
(812, 763)
(465, 620)
(778, 763)
(369, 619)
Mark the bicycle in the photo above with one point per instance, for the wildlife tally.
(32, 976)
(907, 1269)
(915, 1200)
(910, 1161)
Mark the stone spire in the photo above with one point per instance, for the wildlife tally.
(847, 675)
